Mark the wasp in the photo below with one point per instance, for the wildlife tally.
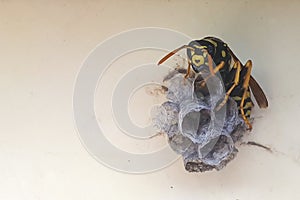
(211, 53)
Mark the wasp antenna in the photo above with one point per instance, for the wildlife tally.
(166, 58)
(173, 52)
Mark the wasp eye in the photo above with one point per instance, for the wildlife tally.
(197, 60)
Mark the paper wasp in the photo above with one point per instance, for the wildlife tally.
(213, 54)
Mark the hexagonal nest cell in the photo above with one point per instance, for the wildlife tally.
(203, 136)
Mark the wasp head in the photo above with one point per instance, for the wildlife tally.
(197, 55)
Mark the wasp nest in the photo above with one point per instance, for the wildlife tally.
(203, 135)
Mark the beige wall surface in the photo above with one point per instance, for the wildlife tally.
(42, 47)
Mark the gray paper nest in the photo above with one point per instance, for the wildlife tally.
(204, 137)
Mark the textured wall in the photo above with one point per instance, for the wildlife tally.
(42, 46)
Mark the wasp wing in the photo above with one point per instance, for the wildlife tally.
(258, 93)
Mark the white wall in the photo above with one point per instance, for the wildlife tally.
(42, 46)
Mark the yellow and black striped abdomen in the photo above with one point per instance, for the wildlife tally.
(247, 105)
(238, 92)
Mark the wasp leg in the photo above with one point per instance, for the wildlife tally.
(246, 88)
(218, 67)
(188, 70)
(212, 72)
(236, 66)
(210, 64)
